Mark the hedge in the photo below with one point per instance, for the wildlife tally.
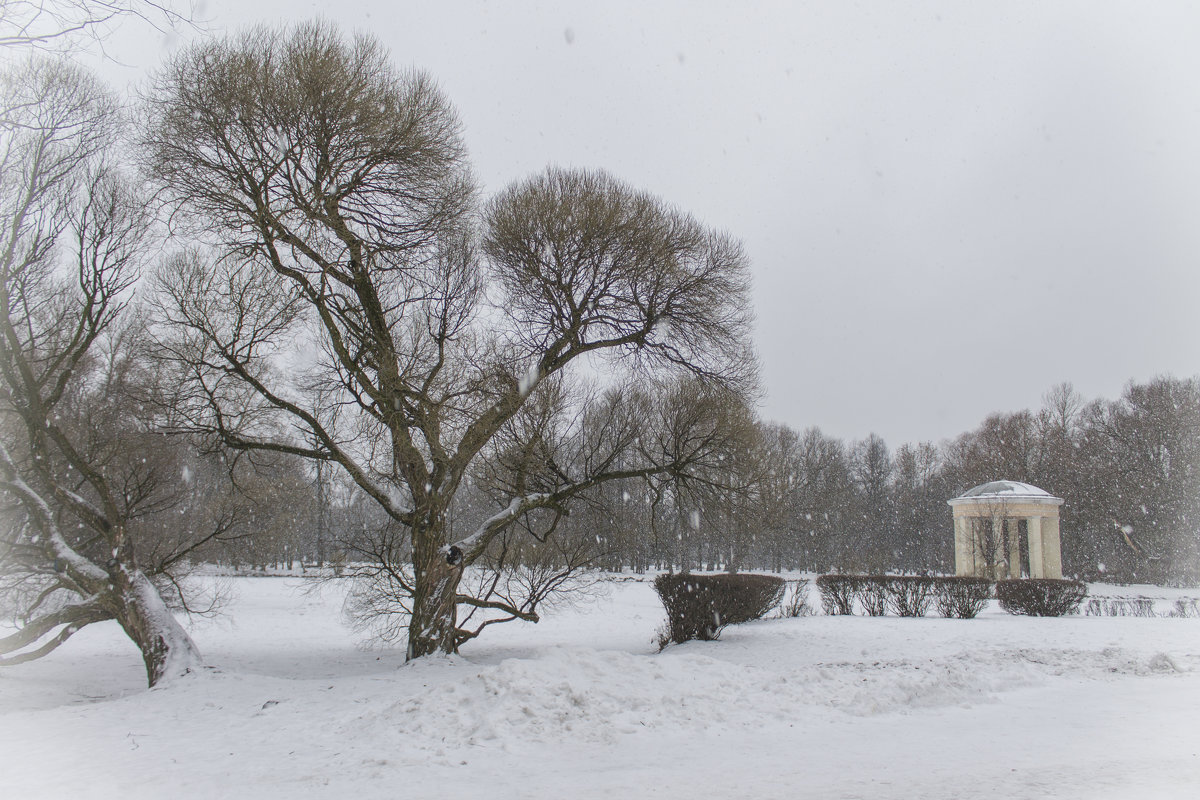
(874, 595)
(1040, 597)
(1120, 607)
(909, 595)
(700, 606)
(961, 597)
(903, 595)
(838, 592)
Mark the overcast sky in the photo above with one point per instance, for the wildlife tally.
(950, 207)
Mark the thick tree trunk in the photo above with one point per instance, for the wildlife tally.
(434, 624)
(167, 650)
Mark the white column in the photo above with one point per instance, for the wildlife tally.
(1013, 527)
(1051, 547)
(1036, 568)
(973, 549)
(997, 553)
(962, 554)
(983, 558)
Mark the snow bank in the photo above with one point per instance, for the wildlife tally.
(583, 706)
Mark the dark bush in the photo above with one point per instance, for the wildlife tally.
(1040, 597)
(909, 595)
(961, 597)
(1186, 607)
(838, 592)
(874, 592)
(1120, 607)
(699, 606)
(797, 602)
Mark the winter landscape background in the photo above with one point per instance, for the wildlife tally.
(315, 367)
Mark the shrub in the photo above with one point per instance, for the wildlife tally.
(909, 595)
(1186, 607)
(838, 593)
(1120, 607)
(961, 597)
(1040, 597)
(904, 595)
(797, 602)
(699, 606)
(874, 592)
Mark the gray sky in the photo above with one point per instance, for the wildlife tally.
(949, 206)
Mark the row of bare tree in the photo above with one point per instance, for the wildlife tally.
(1128, 470)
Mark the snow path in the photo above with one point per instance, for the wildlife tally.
(581, 706)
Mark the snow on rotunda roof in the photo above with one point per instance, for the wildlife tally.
(1007, 490)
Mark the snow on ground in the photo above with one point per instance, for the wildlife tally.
(582, 706)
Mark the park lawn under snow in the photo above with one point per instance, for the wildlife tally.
(582, 706)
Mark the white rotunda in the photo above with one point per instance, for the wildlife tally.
(988, 521)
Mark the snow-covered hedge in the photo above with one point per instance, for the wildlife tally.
(699, 606)
(838, 592)
(1040, 597)
(960, 596)
(903, 595)
(909, 595)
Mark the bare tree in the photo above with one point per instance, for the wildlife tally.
(54, 24)
(920, 492)
(1137, 509)
(73, 231)
(748, 492)
(337, 220)
(822, 496)
(872, 468)
(778, 482)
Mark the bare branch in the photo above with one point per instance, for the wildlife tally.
(65, 24)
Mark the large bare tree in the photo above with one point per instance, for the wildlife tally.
(72, 489)
(347, 301)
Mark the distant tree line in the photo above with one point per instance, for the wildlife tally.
(1127, 469)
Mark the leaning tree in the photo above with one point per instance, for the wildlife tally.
(348, 299)
(78, 475)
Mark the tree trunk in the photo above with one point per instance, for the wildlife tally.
(434, 622)
(167, 650)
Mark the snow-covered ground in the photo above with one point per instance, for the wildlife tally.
(582, 706)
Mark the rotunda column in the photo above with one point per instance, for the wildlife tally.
(999, 570)
(1013, 526)
(1036, 563)
(964, 564)
(1051, 548)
